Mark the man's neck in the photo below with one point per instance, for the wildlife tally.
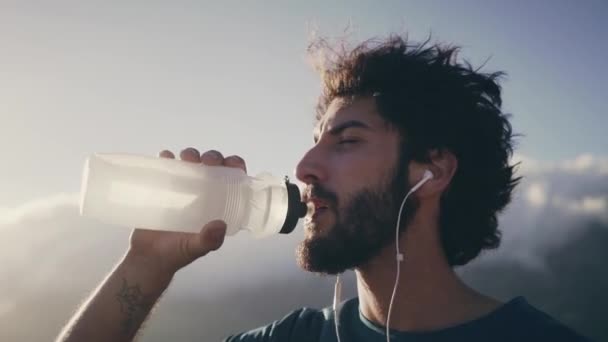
(430, 296)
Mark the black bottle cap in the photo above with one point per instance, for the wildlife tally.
(296, 209)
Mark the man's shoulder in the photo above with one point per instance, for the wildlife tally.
(530, 323)
(303, 324)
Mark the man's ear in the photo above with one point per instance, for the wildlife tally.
(443, 164)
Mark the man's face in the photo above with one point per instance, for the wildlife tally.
(355, 184)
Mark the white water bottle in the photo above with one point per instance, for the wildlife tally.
(169, 194)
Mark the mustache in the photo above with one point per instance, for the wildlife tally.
(320, 192)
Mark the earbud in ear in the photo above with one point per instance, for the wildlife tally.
(427, 175)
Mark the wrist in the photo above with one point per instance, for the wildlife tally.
(149, 269)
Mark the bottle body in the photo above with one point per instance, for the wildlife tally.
(168, 194)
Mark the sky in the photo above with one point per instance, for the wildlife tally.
(83, 77)
(138, 77)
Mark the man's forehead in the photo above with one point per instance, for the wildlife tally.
(344, 109)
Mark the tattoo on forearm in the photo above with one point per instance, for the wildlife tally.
(133, 304)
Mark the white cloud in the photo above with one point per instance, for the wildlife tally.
(587, 163)
(583, 164)
(589, 205)
(38, 207)
(528, 165)
(569, 188)
(594, 204)
(536, 194)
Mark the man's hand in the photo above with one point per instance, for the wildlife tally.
(174, 250)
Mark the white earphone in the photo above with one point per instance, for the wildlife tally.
(425, 177)
(428, 175)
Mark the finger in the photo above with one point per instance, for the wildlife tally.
(190, 154)
(166, 154)
(212, 157)
(210, 238)
(235, 161)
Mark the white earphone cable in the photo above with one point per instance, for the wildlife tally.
(337, 299)
(427, 175)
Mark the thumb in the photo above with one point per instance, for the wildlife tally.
(211, 237)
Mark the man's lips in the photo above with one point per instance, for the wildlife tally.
(318, 207)
(317, 203)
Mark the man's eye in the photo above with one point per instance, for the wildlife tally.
(348, 141)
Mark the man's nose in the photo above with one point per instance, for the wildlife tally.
(311, 168)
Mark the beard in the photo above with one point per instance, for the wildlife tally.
(364, 225)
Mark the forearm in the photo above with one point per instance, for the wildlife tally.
(116, 310)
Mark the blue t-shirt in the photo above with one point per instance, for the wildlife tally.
(516, 320)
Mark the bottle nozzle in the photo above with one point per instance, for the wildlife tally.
(296, 209)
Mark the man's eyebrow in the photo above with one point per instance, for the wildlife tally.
(343, 126)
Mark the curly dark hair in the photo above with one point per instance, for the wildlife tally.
(436, 103)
